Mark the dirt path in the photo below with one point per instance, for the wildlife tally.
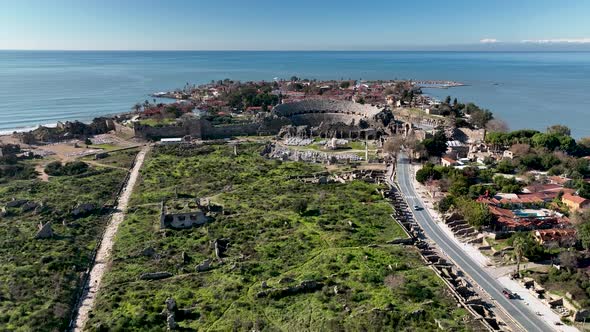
(104, 251)
(95, 163)
(42, 175)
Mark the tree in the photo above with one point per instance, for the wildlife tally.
(137, 107)
(479, 118)
(584, 189)
(520, 149)
(427, 172)
(549, 141)
(581, 220)
(446, 203)
(448, 100)
(567, 144)
(393, 145)
(475, 214)
(518, 244)
(559, 130)
(345, 85)
(505, 166)
(549, 160)
(300, 206)
(584, 145)
(53, 168)
(568, 259)
(497, 125)
(530, 161)
(437, 145)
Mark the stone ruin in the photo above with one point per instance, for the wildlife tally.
(83, 209)
(305, 286)
(173, 314)
(186, 213)
(220, 246)
(45, 231)
(155, 275)
(274, 151)
(460, 287)
(328, 118)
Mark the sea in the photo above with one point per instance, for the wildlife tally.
(525, 89)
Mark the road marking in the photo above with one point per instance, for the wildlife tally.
(452, 247)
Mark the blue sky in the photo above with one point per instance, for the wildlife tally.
(295, 24)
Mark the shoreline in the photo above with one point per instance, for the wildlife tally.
(8, 132)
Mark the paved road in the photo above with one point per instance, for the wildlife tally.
(515, 308)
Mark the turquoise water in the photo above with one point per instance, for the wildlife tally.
(528, 90)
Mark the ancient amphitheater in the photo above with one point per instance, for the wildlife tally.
(315, 111)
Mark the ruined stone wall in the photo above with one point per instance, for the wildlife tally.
(326, 106)
(315, 119)
(119, 128)
(245, 129)
(187, 127)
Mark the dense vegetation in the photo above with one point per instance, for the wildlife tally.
(56, 168)
(39, 278)
(555, 138)
(13, 167)
(252, 95)
(566, 280)
(465, 115)
(281, 231)
(554, 151)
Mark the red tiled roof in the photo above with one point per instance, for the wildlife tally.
(537, 188)
(535, 198)
(575, 199)
(450, 160)
(508, 220)
(558, 179)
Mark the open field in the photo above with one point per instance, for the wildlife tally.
(281, 231)
(122, 158)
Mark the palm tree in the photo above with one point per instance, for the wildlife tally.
(519, 246)
(137, 107)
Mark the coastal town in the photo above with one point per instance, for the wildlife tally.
(500, 218)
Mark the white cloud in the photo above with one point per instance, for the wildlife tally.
(489, 41)
(557, 41)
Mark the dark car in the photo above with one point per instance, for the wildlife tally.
(417, 207)
(507, 294)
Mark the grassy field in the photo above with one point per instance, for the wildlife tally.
(123, 158)
(281, 232)
(39, 278)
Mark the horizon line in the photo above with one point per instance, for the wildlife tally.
(294, 50)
